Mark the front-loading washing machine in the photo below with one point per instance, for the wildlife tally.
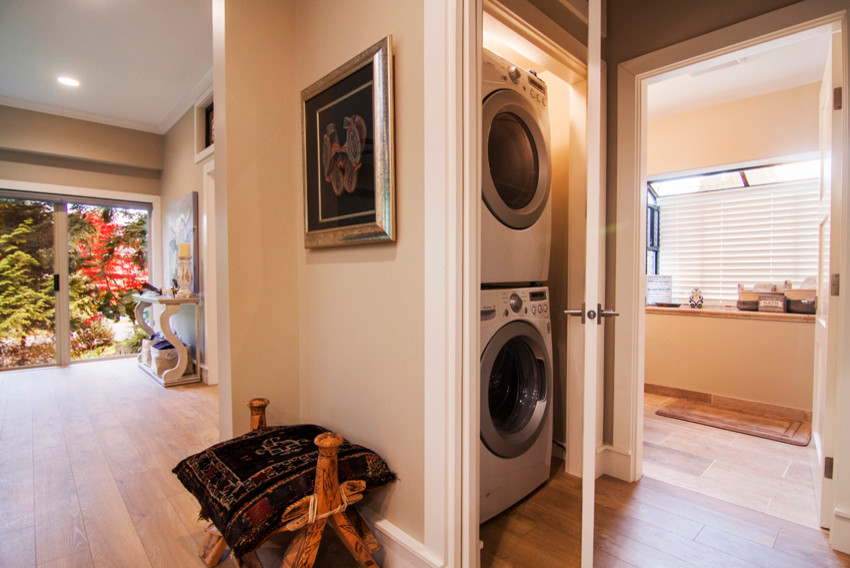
(516, 213)
(515, 450)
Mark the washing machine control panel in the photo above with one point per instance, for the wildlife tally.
(508, 304)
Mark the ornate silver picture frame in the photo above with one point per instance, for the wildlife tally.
(349, 174)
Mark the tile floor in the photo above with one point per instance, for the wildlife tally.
(762, 475)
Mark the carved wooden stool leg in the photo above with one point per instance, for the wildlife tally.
(258, 412)
(363, 530)
(349, 537)
(213, 547)
(301, 552)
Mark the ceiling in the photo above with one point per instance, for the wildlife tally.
(772, 66)
(140, 63)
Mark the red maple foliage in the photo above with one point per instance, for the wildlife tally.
(109, 264)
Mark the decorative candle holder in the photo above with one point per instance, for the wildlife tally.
(184, 277)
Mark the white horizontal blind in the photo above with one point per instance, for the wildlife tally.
(715, 240)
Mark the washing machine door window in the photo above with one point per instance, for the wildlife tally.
(516, 170)
(516, 377)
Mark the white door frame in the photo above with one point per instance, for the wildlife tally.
(452, 36)
(633, 78)
(208, 291)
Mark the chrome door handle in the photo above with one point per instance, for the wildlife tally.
(605, 314)
(576, 313)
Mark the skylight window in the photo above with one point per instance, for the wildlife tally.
(696, 184)
(782, 173)
(744, 177)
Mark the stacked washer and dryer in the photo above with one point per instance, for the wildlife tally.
(516, 335)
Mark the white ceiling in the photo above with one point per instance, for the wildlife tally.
(774, 66)
(140, 63)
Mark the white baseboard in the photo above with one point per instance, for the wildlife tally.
(839, 534)
(205, 374)
(398, 549)
(614, 462)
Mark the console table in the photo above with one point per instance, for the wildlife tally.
(173, 376)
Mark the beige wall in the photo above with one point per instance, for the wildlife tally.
(44, 148)
(54, 135)
(776, 124)
(362, 308)
(559, 119)
(330, 336)
(258, 119)
(181, 176)
(761, 361)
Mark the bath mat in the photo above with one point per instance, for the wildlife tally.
(786, 430)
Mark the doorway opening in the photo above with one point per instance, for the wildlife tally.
(534, 93)
(712, 349)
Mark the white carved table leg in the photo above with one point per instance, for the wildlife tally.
(141, 306)
(175, 373)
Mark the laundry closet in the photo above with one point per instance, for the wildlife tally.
(532, 216)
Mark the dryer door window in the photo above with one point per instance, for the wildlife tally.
(516, 377)
(516, 169)
(513, 162)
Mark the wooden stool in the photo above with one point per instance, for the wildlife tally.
(309, 516)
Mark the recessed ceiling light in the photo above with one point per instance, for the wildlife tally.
(68, 81)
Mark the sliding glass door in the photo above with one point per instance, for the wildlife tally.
(27, 301)
(68, 269)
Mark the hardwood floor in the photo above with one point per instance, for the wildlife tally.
(673, 516)
(86, 454)
(763, 475)
(647, 524)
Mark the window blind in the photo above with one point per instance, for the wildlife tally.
(715, 240)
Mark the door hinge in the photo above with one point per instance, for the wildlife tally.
(55, 282)
(836, 98)
(834, 284)
(827, 468)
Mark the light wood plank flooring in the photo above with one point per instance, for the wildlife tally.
(763, 475)
(648, 524)
(86, 454)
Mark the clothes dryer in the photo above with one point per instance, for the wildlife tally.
(515, 448)
(516, 213)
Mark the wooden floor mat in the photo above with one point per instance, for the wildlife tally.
(785, 430)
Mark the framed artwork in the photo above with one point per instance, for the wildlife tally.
(349, 186)
(182, 223)
(209, 126)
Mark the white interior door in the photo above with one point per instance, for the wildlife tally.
(832, 385)
(823, 408)
(592, 309)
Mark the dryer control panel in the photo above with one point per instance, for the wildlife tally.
(522, 80)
